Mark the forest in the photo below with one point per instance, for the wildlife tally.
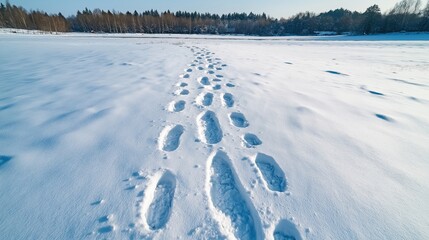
(405, 16)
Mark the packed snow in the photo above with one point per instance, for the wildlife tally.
(206, 137)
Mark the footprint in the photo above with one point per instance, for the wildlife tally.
(271, 172)
(188, 70)
(210, 66)
(227, 100)
(200, 68)
(230, 85)
(219, 76)
(217, 87)
(228, 201)
(183, 84)
(160, 197)
(185, 76)
(176, 106)
(251, 140)
(238, 119)
(169, 139)
(204, 81)
(216, 80)
(286, 230)
(205, 99)
(182, 92)
(209, 128)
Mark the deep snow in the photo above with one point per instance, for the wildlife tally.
(165, 137)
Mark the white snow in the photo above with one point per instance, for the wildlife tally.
(208, 137)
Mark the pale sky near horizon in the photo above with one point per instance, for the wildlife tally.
(274, 8)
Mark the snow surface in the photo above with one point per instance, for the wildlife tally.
(166, 137)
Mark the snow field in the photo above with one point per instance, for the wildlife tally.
(106, 137)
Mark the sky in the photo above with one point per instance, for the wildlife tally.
(273, 8)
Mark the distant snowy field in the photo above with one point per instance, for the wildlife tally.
(206, 137)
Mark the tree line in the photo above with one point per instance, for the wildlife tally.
(406, 15)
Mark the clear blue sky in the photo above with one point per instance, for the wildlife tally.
(274, 8)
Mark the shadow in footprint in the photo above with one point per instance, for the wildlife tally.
(384, 117)
(376, 93)
(204, 81)
(336, 73)
(169, 139)
(130, 188)
(160, 209)
(251, 140)
(5, 159)
(106, 229)
(227, 197)
(286, 230)
(238, 119)
(271, 172)
(205, 99)
(228, 100)
(182, 92)
(177, 106)
(103, 219)
(209, 128)
(97, 203)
